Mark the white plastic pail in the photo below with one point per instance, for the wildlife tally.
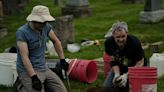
(157, 60)
(7, 68)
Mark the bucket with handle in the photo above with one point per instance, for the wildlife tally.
(142, 79)
(106, 59)
(83, 70)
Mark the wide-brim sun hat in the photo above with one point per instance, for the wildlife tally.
(40, 13)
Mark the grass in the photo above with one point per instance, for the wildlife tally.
(105, 12)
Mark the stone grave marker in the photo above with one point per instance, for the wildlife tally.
(14, 6)
(63, 28)
(78, 8)
(152, 5)
(152, 12)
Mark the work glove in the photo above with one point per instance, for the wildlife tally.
(64, 64)
(36, 83)
(123, 79)
(115, 79)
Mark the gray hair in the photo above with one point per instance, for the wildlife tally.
(119, 26)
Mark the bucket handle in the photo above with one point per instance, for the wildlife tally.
(72, 66)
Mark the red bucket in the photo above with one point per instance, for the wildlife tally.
(83, 70)
(106, 59)
(142, 69)
(142, 79)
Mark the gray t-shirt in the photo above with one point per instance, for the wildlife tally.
(36, 42)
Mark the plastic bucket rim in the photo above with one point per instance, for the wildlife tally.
(92, 78)
(86, 66)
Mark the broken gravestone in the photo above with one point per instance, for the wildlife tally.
(78, 8)
(63, 28)
(152, 12)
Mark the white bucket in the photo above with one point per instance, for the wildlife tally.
(14, 73)
(157, 60)
(7, 68)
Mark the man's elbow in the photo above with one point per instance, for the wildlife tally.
(140, 63)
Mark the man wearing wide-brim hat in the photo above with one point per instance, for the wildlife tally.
(31, 44)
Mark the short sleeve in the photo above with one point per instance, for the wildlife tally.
(48, 28)
(108, 46)
(20, 36)
(139, 53)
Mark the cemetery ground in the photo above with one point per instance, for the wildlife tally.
(104, 13)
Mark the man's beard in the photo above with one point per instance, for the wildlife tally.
(122, 45)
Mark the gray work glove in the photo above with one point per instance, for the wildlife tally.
(36, 83)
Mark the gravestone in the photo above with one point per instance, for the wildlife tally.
(78, 8)
(13, 6)
(63, 28)
(152, 5)
(152, 12)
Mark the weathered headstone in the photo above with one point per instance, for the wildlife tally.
(78, 8)
(152, 12)
(63, 28)
(13, 6)
(152, 5)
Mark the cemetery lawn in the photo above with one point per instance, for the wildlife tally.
(105, 12)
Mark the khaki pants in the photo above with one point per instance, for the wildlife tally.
(50, 82)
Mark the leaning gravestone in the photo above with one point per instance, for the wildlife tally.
(63, 28)
(78, 8)
(152, 12)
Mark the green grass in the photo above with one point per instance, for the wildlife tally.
(105, 12)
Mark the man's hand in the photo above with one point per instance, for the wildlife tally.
(64, 64)
(36, 83)
(123, 80)
(115, 79)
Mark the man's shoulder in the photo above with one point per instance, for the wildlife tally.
(134, 40)
(110, 42)
(23, 27)
(110, 39)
